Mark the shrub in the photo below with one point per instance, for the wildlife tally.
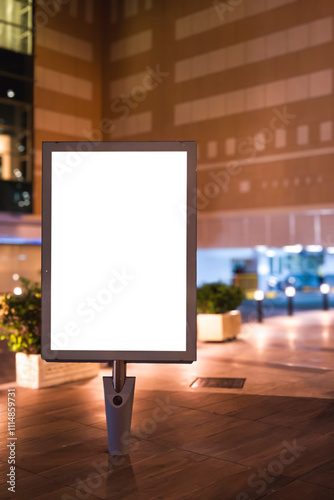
(20, 318)
(218, 298)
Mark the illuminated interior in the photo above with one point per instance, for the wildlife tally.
(5, 157)
(16, 22)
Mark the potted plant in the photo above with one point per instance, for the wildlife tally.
(20, 326)
(217, 317)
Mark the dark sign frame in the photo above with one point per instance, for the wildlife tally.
(187, 356)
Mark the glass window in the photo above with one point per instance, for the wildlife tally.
(15, 142)
(16, 25)
(16, 105)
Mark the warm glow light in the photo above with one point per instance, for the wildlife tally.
(15, 276)
(313, 248)
(5, 153)
(18, 290)
(291, 338)
(325, 334)
(325, 288)
(260, 342)
(258, 295)
(293, 248)
(290, 291)
(10, 93)
(17, 173)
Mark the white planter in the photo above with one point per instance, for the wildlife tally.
(218, 327)
(33, 372)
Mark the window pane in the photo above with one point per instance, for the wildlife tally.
(15, 142)
(16, 98)
(16, 22)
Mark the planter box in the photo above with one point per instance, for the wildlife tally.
(35, 373)
(218, 327)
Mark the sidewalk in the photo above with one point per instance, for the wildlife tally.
(283, 356)
(187, 443)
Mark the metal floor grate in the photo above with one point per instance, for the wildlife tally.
(222, 383)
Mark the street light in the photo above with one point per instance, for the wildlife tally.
(325, 289)
(290, 292)
(259, 296)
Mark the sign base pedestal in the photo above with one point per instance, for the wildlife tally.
(118, 414)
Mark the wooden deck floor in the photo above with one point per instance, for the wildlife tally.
(184, 445)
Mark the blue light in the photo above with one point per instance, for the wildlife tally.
(12, 240)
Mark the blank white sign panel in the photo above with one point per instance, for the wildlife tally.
(119, 251)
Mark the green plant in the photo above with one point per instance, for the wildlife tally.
(218, 298)
(20, 318)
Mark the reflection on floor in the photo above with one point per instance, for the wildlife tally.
(283, 356)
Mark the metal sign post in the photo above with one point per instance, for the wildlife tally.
(118, 396)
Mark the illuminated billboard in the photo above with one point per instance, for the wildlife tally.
(119, 251)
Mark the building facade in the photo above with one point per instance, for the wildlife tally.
(250, 80)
